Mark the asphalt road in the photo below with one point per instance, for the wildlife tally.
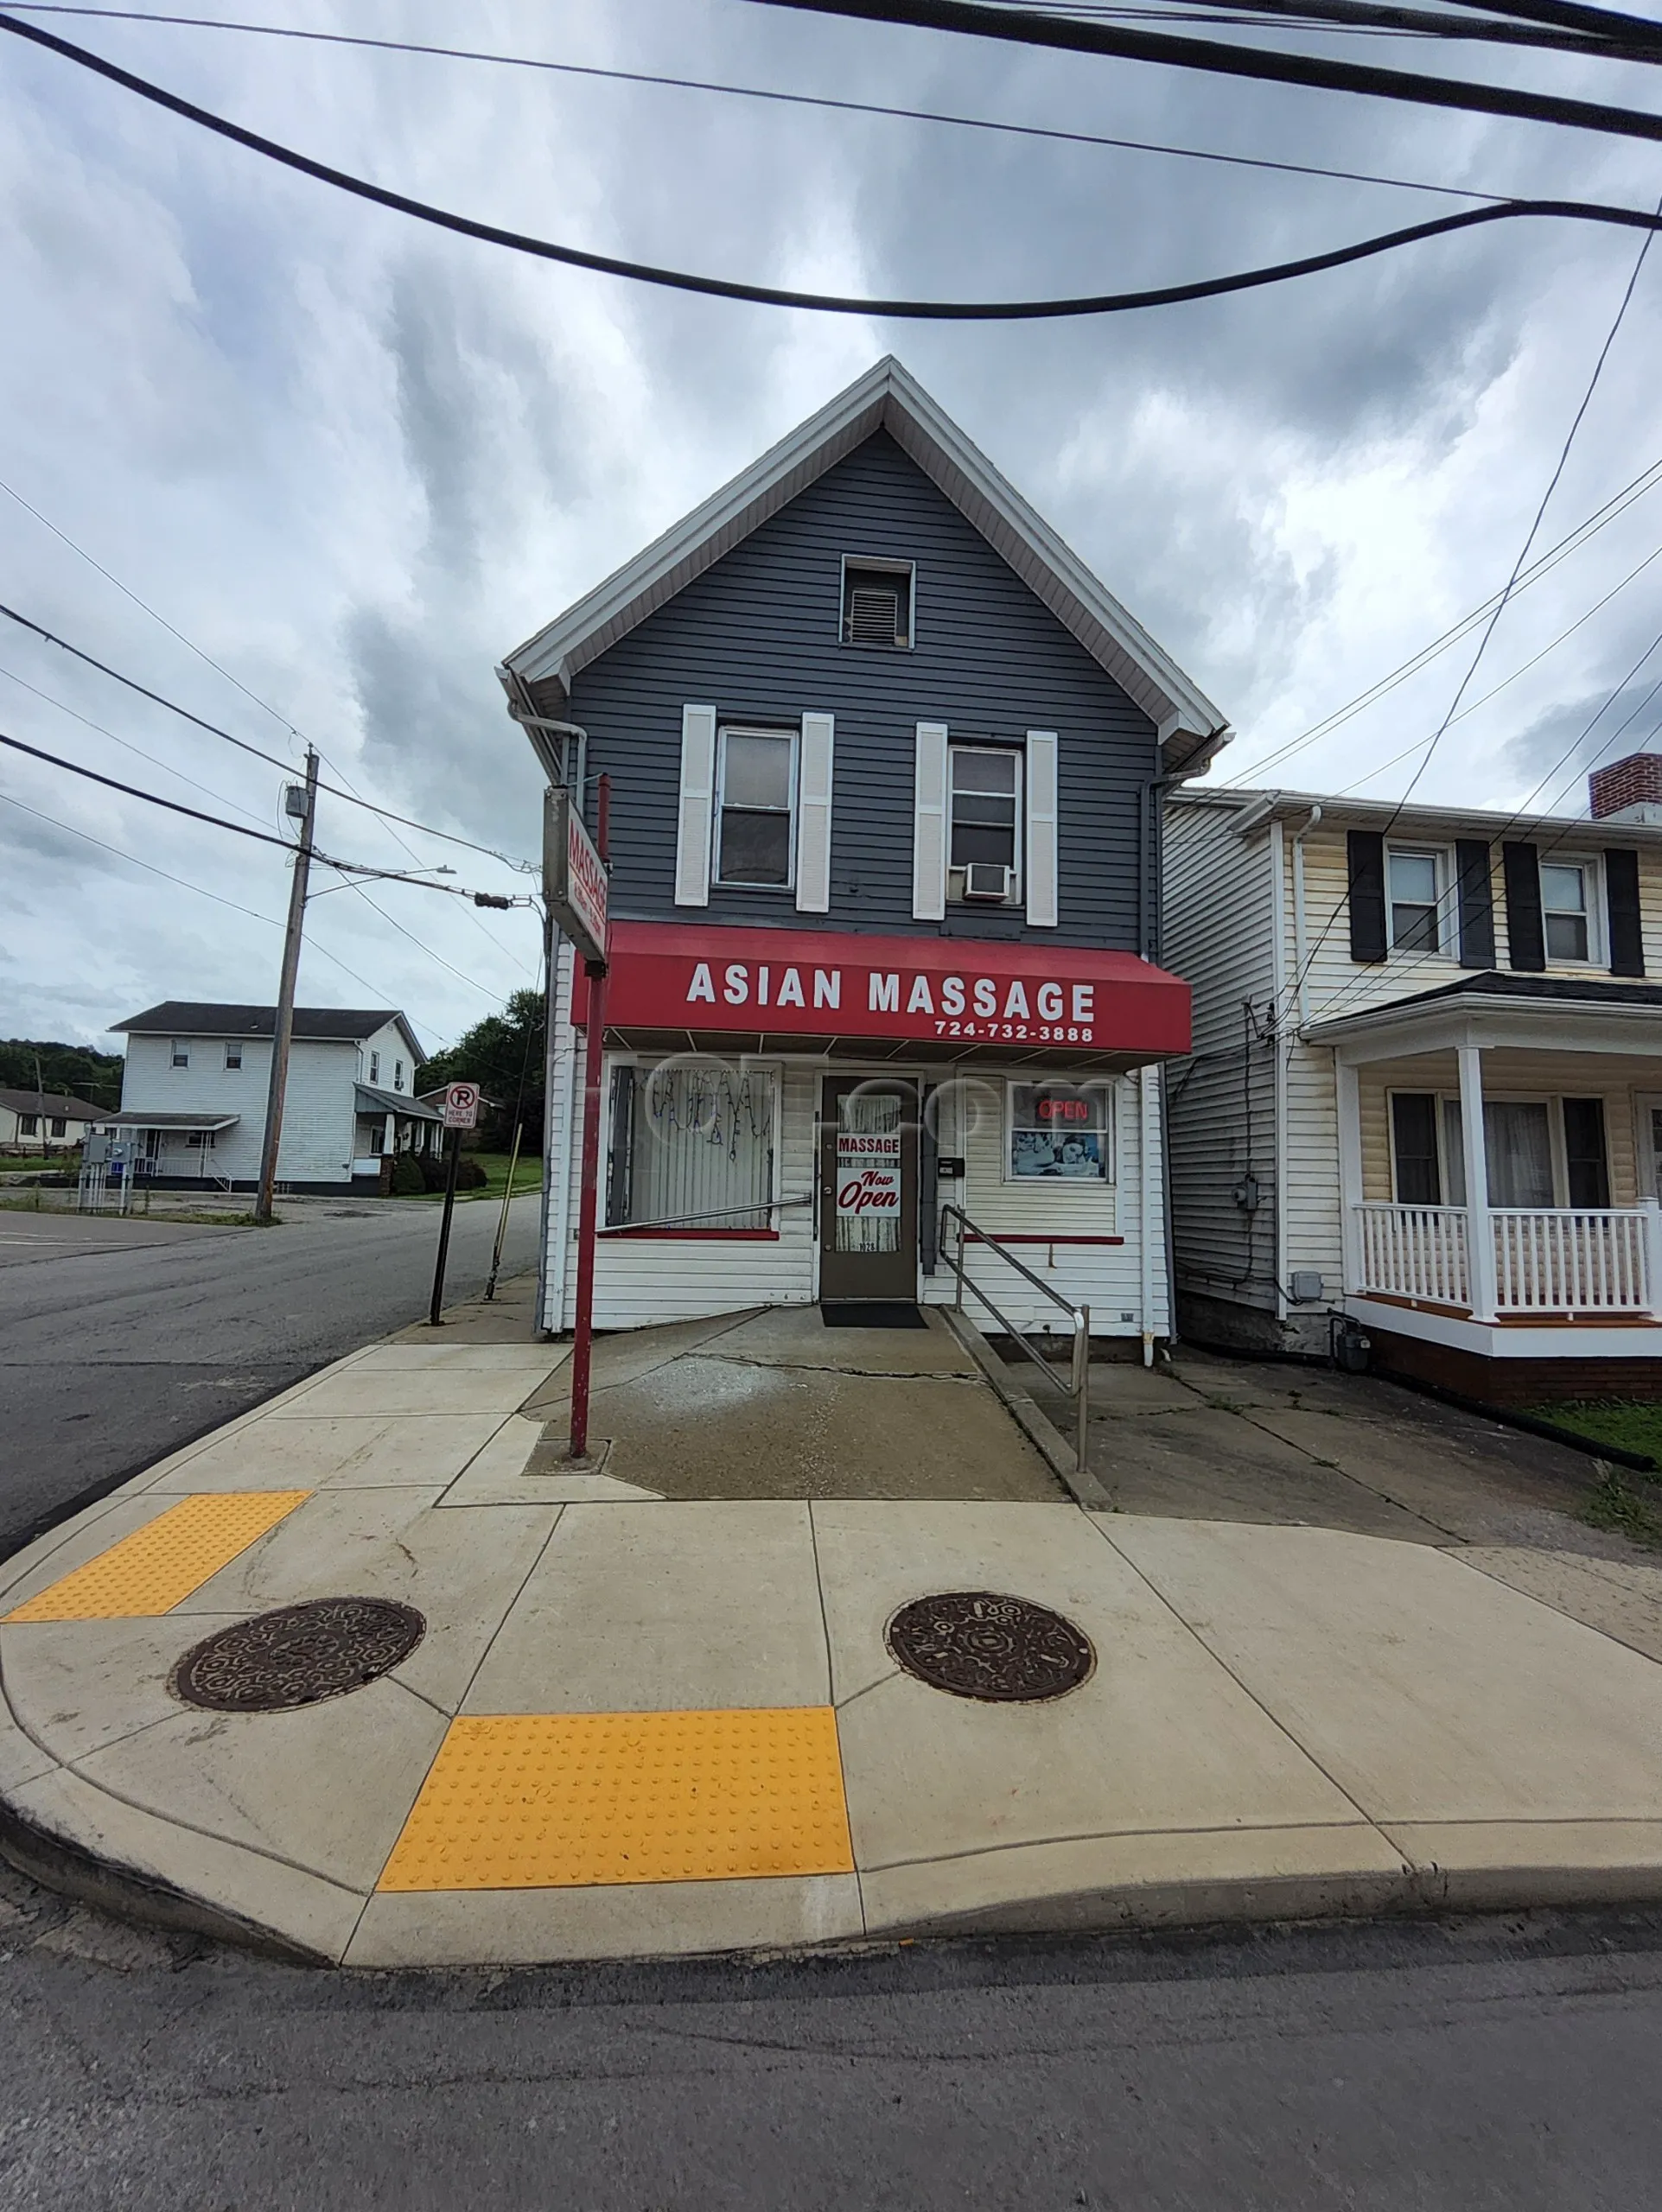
(1506, 2065)
(121, 1341)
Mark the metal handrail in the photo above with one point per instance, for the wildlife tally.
(1078, 1385)
(715, 1213)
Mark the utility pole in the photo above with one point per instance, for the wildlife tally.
(284, 1030)
(582, 1335)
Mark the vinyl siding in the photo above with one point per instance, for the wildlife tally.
(1621, 1083)
(1219, 937)
(758, 635)
(641, 1281)
(317, 1114)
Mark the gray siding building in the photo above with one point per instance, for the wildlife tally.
(884, 763)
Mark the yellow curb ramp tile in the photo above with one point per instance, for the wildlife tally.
(571, 1800)
(156, 1567)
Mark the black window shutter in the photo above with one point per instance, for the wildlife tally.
(1525, 937)
(1621, 901)
(1477, 903)
(1365, 853)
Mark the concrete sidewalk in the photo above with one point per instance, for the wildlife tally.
(641, 1724)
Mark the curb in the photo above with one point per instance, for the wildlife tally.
(71, 1871)
(1040, 1430)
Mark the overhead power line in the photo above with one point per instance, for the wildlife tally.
(218, 822)
(1588, 30)
(1619, 502)
(1022, 26)
(185, 884)
(831, 303)
(272, 760)
(1505, 600)
(767, 93)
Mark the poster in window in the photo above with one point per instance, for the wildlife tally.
(1059, 1132)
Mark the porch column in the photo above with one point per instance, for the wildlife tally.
(390, 1134)
(1479, 1235)
(1653, 1257)
(1347, 1100)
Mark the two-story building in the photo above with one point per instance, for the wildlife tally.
(1425, 1098)
(886, 763)
(194, 1087)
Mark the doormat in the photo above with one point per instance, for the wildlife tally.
(870, 1313)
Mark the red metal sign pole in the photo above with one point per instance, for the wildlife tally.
(582, 1335)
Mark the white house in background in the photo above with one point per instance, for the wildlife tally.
(194, 1093)
(35, 1121)
(1425, 1102)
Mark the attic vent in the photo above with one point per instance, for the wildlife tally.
(876, 604)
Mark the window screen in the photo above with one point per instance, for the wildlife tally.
(1414, 1147)
(1415, 886)
(985, 791)
(1565, 910)
(757, 793)
(692, 1145)
(1586, 1165)
(1060, 1131)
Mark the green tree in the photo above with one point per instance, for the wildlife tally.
(505, 1056)
(74, 1069)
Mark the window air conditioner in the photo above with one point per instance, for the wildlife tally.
(989, 880)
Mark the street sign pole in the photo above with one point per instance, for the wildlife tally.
(460, 1112)
(582, 1336)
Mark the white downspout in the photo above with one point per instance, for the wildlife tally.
(1302, 980)
(1149, 1225)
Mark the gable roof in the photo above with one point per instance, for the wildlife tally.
(56, 1105)
(885, 399)
(315, 1024)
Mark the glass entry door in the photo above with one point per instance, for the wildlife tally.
(869, 1188)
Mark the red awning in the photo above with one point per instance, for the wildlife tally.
(951, 994)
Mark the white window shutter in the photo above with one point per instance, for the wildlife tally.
(1042, 830)
(697, 805)
(814, 816)
(929, 825)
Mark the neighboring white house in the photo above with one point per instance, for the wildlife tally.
(1425, 1098)
(36, 1121)
(194, 1095)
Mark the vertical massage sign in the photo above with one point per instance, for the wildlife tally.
(868, 1188)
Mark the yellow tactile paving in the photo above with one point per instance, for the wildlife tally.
(562, 1800)
(159, 1564)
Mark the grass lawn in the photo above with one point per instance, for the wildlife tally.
(1631, 1423)
(14, 1164)
(527, 1176)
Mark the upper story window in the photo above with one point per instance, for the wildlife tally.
(232, 1056)
(755, 807)
(181, 1051)
(1567, 909)
(398, 1075)
(374, 1067)
(876, 602)
(1417, 888)
(984, 801)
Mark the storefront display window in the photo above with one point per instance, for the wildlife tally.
(692, 1145)
(1063, 1132)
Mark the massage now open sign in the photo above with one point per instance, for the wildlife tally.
(868, 1172)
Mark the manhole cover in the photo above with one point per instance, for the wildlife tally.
(297, 1655)
(975, 1644)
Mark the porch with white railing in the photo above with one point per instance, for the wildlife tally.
(1556, 1260)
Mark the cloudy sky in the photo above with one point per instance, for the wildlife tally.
(352, 460)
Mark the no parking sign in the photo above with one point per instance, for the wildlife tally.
(461, 1106)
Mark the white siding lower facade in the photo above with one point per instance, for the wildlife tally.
(1100, 1244)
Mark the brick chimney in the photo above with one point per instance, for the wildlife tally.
(1627, 790)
